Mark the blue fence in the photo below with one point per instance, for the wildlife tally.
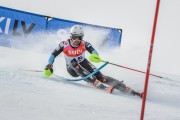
(19, 25)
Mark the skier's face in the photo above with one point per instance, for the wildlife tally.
(76, 39)
(76, 42)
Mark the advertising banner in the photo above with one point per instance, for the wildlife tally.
(23, 29)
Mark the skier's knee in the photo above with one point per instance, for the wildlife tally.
(74, 63)
(72, 72)
(120, 86)
(100, 77)
(123, 88)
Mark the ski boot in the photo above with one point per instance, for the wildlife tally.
(137, 94)
(110, 89)
(100, 85)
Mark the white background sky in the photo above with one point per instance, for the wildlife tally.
(135, 17)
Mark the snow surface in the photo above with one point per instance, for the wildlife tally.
(27, 95)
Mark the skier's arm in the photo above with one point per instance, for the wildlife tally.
(94, 56)
(48, 71)
(90, 48)
(55, 53)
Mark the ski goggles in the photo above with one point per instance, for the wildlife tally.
(76, 37)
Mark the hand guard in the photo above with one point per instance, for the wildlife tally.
(95, 58)
(48, 71)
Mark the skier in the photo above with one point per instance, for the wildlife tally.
(77, 65)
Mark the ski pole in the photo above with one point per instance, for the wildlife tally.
(78, 79)
(131, 69)
(100, 60)
(31, 70)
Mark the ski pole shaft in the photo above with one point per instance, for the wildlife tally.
(32, 70)
(132, 69)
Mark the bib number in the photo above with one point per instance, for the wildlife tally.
(80, 59)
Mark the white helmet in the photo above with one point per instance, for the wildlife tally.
(77, 30)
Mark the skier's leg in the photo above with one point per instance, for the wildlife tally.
(85, 67)
(75, 70)
(97, 78)
(90, 67)
(115, 83)
(71, 71)
(119, 85)
(80, 71)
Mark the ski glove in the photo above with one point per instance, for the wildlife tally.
(95, 58)
(48, 71)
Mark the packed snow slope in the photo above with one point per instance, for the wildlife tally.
(26, 95)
